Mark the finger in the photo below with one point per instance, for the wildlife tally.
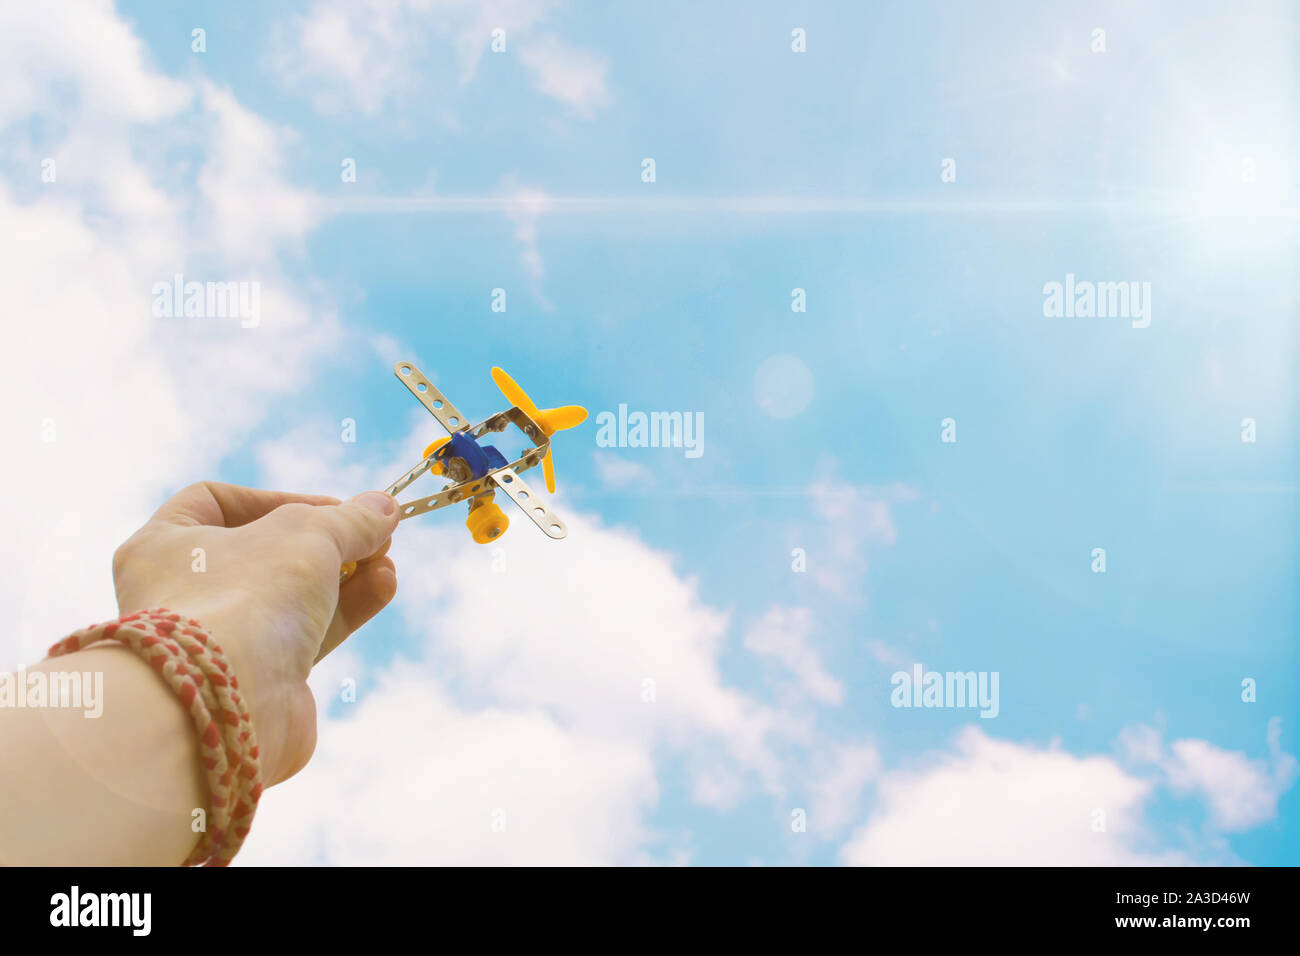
(383, 550)
(228, 506)
(358, 527)
(361, 597)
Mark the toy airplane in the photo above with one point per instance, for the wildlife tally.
(478, 471)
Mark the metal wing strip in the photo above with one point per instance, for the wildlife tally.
(508, 481)
(419, 385)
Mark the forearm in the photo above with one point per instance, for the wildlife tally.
(118, 789)
(200, 711)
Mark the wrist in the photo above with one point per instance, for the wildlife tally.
(272, 685)
(186, 657)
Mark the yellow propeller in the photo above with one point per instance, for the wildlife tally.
(549, 420)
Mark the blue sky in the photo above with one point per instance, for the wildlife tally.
(1167, 159)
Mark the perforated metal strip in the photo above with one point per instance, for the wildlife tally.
(529, 502)
(432, 399)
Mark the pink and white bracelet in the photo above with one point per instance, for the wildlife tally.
(195, 667)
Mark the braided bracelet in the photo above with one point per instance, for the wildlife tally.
(193, 665)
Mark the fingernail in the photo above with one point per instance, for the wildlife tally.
(376, 501)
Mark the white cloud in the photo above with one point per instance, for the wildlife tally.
(604, 615)
(836, 786)
(1240, 792)
(617, 471)
(853, 519)
(366, 54)
(350, 54)
(894, 658)
(409, 777)
(250, 208)
(716, 787)
(524, 211)
(386, 347)
(570, 75)
(1001, 803)
(996, 802)
(313, 458)
(783, 634)
(47, 49)
(1141, 744)
(136, 405)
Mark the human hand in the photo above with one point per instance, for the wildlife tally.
(260, 570)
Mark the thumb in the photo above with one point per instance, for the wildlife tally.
(359, 527)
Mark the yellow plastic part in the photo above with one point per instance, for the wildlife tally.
(436, 468)
(486, 521)
(549, 420)
(566, 416)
